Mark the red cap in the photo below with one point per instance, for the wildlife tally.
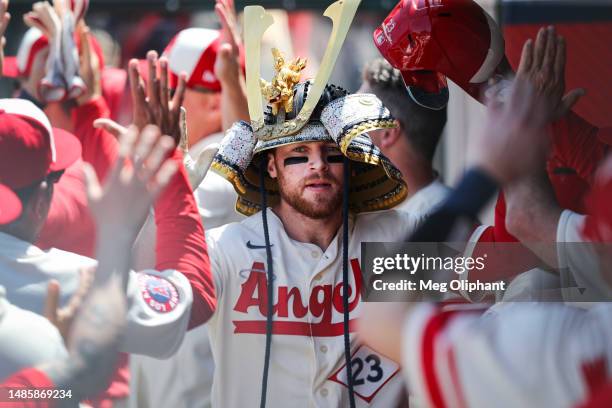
(10, 205)
(31, 45)
(193, 51)
(30, 148)
(428, 40)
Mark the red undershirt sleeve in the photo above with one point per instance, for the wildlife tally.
(181, 244)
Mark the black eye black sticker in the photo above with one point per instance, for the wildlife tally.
(295, 160)
(337, 158)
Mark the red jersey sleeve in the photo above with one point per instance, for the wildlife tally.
(576, 145)
(99, 147)
(181, 244)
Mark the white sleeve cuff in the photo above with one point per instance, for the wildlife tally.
(159, 312)
(578, 262)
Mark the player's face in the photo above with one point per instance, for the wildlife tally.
(309, 177)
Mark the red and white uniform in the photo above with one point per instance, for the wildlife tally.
(307, 354)
(577, 150)
(520, 355)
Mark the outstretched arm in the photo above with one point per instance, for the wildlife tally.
(119, 209)
(228, 67)
(512, 128)
(180, 244)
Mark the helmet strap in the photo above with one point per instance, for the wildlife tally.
(270, 274)
(345, 280)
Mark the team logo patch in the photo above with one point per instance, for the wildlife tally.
(159, 293)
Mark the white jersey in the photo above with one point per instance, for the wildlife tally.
(520, 355)
(579, 265)
(185, 379)
(307, 366)
(426, 200)
(159, 302)
(26, 339)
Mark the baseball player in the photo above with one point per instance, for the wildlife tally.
(412, 144)
(283, 316)
(520, 354)
(577, 146)
(160, 302)
(92, 354)
(213, 97)
(582, 244)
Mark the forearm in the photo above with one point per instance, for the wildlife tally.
(234, 102)
(114, 254)
(533, 216)
(181, 244)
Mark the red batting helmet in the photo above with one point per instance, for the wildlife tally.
(428, 40)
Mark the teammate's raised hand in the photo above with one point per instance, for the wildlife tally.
(227, 64)
(543, 64)
(4, 20)
(142, 170)
(514, 128)
(197, 168)
(152, 103)
(44, 17)
(89, 66)
(228, 67)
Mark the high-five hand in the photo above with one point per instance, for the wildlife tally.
(152, 102)
(142, 170)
